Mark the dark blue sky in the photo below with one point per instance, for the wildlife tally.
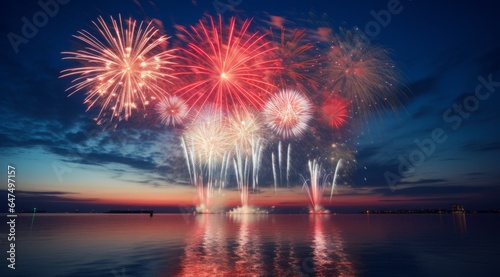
(448, 54)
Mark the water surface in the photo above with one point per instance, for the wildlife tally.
(255, 245)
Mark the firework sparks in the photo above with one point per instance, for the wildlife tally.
(362, 73)
(244, 127)
(172, 110)
(123, 69)
(288, 113)
(334, 111)
(297, 59)
(207, 149)
(225, 65)
(208, 136)
(316, 186)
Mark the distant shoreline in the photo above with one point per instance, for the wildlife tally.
(367, 212)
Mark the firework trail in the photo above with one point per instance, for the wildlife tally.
(279, 159)
(274, 171)
(341, 151)
(339, 164)
(280, 164)
(172, 110)
(288, 114)
(123, 69)
(225, 65)
(244, 164)
(245, 131)
(288, 164)
(206, 146)
(318, 182)
(361, 72)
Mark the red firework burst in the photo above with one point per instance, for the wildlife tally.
(298, 60)
(225, 65)
(334, 111)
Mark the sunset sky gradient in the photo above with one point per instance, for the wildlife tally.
(65, 162)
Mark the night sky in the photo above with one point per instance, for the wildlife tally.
(448, 54)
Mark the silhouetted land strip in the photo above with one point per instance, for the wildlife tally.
(431, 211)
(130, 212)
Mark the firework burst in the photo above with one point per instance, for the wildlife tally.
(244, 127)
(207, 149)
(334, 112)
(172, 110)
(296, 57)
(288, 113)
(225, 65)
(123, 69)
(208, 136)
(361, 72)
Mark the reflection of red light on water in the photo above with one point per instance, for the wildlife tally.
(236, 245)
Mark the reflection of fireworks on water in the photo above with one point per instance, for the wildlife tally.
(317, 184)
(122, 71)
(207, 150)
(288, 113)
(172, 110)
(225, 65)
(328, 249)
(361, 72)
(334, 111)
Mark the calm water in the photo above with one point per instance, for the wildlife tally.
(255, 245)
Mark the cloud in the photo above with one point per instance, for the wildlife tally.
(423, 86)
(47, 198)
(477, 146)
(489, 62)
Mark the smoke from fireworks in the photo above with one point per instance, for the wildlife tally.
(123, 69)
(225, 65)
(288, 113)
